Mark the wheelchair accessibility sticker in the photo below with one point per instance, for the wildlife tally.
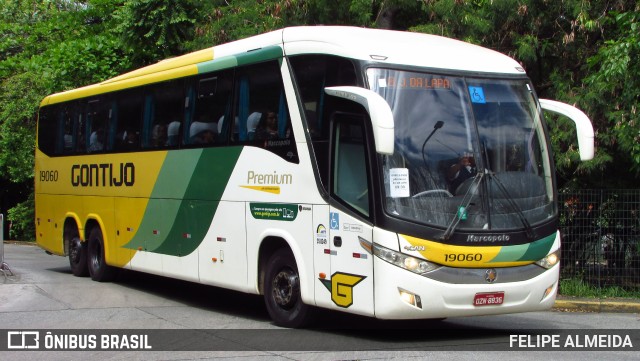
(335, 220)
(477, 95)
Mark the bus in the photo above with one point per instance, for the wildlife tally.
(382, 173)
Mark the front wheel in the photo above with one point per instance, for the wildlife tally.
(98, 268)
(282, 291)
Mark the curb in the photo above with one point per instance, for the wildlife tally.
(579, 305)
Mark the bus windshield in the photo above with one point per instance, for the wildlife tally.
(470, 153)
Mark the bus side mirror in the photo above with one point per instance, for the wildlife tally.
(379, 112)
(583, 125)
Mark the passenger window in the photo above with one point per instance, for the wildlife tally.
(97, 118)
(164, 105)
(47, 124)
(61, 129)
(127, 120)
(210, 107)
(350, 171)
(80, 125)
(262, 115)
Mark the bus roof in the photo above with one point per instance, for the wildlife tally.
(383, 46)
(398, 47)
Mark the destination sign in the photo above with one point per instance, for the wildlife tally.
(418, 83)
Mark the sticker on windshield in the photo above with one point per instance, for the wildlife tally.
(399, 182)
(477, 94)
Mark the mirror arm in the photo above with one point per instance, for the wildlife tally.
(584, 128)
(379, 112)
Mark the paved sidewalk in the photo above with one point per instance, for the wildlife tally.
(576, 304)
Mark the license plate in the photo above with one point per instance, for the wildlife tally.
(488, 299)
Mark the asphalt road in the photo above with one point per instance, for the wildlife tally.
(202, 322)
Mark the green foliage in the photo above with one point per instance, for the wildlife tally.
(613, 83)
(94, 59)
(155, 29)
(20, 98)
(231, 20)
(47, 47)
(226, 21)
(577, 287)
(21, 217)
(64, 45)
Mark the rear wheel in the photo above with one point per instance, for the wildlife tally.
(282, 291)
(77, 254)
(98, 268)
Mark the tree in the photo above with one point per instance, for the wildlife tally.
(46, 47)
(612, 87)
(225, 21)
(155, 29)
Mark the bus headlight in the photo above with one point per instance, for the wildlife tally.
(550, 260)
(401, 260)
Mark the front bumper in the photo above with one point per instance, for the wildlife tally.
(441, 299)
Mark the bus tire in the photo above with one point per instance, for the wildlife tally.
(282, 291)
(77, 256)
(98, 268)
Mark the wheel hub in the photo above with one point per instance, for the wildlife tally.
(285, 285)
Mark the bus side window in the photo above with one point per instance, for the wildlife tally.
(350, 182)
(68, 127)
(47, 129)
(262, 113)
(126, 116)
(210, 106)
(163, 115)
(80, 131)
(97, 117)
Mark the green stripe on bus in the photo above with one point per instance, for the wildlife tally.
(184, 202)
(211, 175)
(232, 61)
(207, 184)
(539, 249)
(218, 64)
(156, 224)
(526, 252)
(189, 228)
(510, 253)
(258, 55)
(175, 175)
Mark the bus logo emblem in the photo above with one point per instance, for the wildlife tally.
(341, 287)
(490, 275)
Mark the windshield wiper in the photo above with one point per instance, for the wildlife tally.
(466, 200)
(514, 207)
(468, 196)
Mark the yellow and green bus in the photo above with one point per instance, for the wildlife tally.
(389, 174)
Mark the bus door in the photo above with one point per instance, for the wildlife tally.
(351, 278)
